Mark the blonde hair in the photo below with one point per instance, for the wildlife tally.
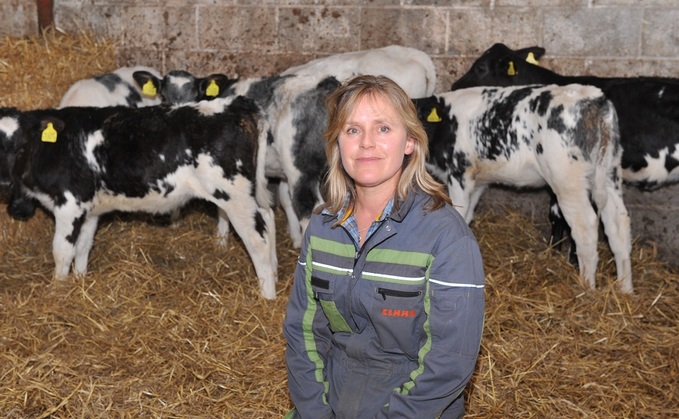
(340, 104)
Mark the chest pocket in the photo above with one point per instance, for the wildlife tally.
(398, 316)
(323, 291)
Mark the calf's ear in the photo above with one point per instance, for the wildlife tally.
(57, 123)
(433, 115)
(50, 127)
(531, 54)
(214, 85)
(147, 82)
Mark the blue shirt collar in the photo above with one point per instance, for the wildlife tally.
(350, 225)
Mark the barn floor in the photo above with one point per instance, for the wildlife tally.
(168, 324)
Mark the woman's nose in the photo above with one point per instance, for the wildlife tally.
(367, 140)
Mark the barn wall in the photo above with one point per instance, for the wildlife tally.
(261, 37)
(18, 17)
(255, 37)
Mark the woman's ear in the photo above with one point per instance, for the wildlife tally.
(410, 146)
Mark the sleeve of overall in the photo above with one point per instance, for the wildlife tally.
(307, 333)
(454, 327)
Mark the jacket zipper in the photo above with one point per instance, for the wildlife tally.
(396, 293)
(359, 252)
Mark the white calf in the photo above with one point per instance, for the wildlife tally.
(117, 88)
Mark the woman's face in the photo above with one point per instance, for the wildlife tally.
(373, 143)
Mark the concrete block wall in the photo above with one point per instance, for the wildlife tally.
(256, 37)
(18, 17)
(262, 37)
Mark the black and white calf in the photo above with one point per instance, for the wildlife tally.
(118, 88)
(80, 163)
(294, 103)
(647, 107)
(565, 137)
(272, 94)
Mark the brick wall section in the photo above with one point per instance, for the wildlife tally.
(262, 37)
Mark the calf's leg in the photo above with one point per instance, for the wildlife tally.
(255, 226)
(584, 224)
(66, 233)
(222, 228)
(294, 227)
(461, 199)
(616, 223)
(561, 230)
(83, 245)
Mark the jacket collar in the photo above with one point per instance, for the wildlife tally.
(398, 213)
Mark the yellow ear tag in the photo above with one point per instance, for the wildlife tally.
(212, 89)
(510, 70)
(149, 89)
(531, 59)
(49, 134)
(433, 116)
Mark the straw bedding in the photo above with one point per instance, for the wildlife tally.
(168, 324)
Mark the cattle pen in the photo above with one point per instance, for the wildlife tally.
(168, 324)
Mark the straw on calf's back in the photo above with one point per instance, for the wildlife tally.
(565, 137)
(80, 163)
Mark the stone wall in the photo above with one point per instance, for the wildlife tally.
(262, 37)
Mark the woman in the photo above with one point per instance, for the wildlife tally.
(387, 307)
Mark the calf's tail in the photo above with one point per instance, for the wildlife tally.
(607, 163)
(613, 213)
(262, 193)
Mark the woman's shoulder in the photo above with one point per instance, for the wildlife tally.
(445, 219)
(321, 224)
(452, 216)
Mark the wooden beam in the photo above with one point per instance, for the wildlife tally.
(45, 14)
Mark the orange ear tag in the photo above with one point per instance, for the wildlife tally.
(212, 89)
(149, 89)
(433, 116)
(49, 134)
(511, 71)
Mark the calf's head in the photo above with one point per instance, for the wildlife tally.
(19, 205)
(9, 132)
(434, 113)
(179, 86)
(502, 66)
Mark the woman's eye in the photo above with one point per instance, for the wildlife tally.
(352, 130)
(384, 129)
